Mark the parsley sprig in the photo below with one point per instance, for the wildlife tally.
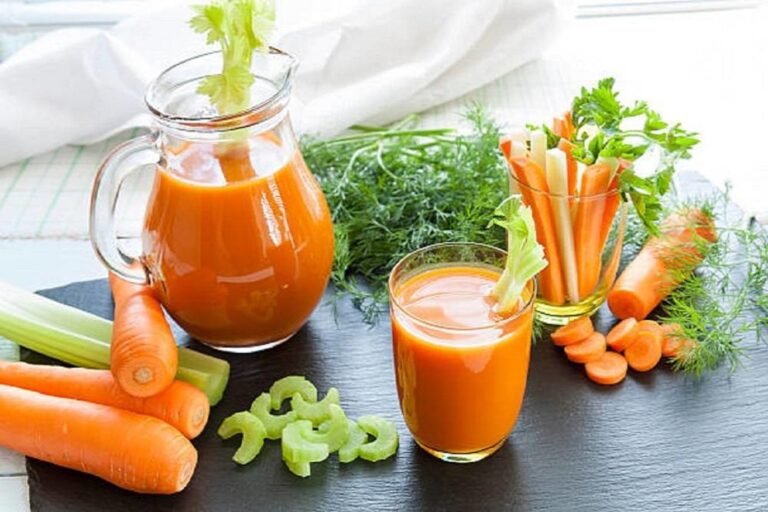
(599, 119)
(240, 28)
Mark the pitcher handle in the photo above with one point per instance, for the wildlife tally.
(125, 159)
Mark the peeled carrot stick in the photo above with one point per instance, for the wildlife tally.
(590, 349)
(135, 452)
(611, 368)
(144, 356)
(645, 352)
(181, 405)
(534, 194)
(573, 332)
(612, 202)
(589, 219)
(622, 335)
(656, 270)
(573, 169)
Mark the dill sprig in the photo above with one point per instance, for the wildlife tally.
(397, 188)
(723, 304)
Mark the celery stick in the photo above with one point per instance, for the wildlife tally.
(351, 449)
(386, 442)
(333, 432)
(253, 433)
(539, 148)
(82, 339)
(315, 412)
(557, 179)
(9, 351)
(273, 423)
(287, 386)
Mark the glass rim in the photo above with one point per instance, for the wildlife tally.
(575, 197)
(532, 284)
(243, 118)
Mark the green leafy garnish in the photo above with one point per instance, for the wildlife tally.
(525, 257)
(240, 28)
(598, 116)
(395, 189)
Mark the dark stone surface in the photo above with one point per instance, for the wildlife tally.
(657, 441)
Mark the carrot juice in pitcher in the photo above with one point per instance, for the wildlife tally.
(239, 241)
(237, 238)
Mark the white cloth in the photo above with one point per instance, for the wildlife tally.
(360, 60)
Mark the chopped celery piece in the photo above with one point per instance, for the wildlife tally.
(386, 440)
(82, 339)
(333, 432)
(317, 412)
(287, 386)
(274, 424)
(355, 440)
(253, 433)
(301, 469)
(296, 447)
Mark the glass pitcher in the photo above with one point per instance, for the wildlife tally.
(237, 238)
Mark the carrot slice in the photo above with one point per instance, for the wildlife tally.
(648, 279)
(590, 349)
(531, 175)
(588, 222)
(573, 332)
(672, 339)
(645, 352)
(181, 405)
(650, 325)
(622, 335)
(143, 357)
(135, 452)
(611, 368)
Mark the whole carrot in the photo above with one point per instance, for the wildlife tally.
(181, 405)
(661, 264)
(144, 357)
(132, 451)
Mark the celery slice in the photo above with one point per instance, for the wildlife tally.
(273, 423)
(82, 339)
(385, 444)
(253, 433)
(301, 469)
(333, 432)
(287, 386)
(357, 437)
(317, 412)
(297, 451)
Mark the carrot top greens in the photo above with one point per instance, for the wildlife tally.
(240, 28)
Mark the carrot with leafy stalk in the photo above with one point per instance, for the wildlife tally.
(525, 257)
(132, 451)
(239, 28)
(143, 357)
(181, 405)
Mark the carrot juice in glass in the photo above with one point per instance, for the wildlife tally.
(460, 366)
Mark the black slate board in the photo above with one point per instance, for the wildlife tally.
(658, 441)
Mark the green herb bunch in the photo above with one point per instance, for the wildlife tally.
(398, 188)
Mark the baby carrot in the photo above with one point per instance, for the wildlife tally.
(132, 451)
(645, 352)
(573, 332)
(535, 186)
(611, 368)
(656, 270)
(143, 356)
(590, 349)
(622, 335)
(589, 219)
(181, 404)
